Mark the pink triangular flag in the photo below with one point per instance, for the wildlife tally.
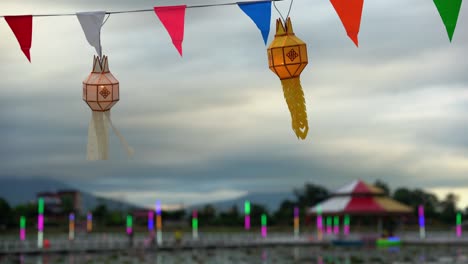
(22, 28)
(173, 18)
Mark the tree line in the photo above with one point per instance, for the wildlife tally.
(436, 211)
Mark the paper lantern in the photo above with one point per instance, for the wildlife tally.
(101, 88)
(287, 58)
(101, 93)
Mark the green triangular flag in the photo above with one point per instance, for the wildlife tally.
(449, 10)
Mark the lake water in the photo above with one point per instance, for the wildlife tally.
(280, 255)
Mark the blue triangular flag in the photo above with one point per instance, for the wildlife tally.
(260, 13)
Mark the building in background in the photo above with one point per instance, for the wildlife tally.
(61, 202)
(71, 199)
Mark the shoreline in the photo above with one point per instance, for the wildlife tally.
(119, 246)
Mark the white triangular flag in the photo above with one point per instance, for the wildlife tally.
(91, 22)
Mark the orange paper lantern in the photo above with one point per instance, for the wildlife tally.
(287, 58)
(101, 88)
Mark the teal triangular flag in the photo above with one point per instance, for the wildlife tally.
(449, 10)
(260, 13)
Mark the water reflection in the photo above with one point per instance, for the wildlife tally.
(283, 255)
(264, 256)
(319, 260)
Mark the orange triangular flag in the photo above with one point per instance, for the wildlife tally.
(350, 13)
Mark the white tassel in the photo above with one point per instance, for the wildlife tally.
(98, 138)
(124, 143)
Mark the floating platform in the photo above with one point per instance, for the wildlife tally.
(388, 242)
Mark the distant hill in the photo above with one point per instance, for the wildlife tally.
(271, 201)
(23, 190)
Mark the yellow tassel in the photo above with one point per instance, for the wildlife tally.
(296, 103)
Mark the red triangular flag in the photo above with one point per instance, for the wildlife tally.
(22, 28)
(173, 18)
(350, 13)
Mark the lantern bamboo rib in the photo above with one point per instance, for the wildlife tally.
(296, 103)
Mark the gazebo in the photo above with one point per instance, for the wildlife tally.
(360, 199)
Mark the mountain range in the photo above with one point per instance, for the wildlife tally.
(18, 191)
(23, 190)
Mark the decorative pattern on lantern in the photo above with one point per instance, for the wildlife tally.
(101, 88)
(287, 58)
(101, 93)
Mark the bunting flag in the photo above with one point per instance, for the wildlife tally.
(449, 10)
(350, 13)
(22, 28)
(91, 22)
(173, 17)
(260, 13)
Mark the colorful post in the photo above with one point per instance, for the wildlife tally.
(264, 225)
(296, 222)
(89, 222)
(422, 224)
(22, 228)
(195, 224)
(129, 225)
(336, 225)
(319, 224)
(346, 223)
(71, 226)
(247, 215)
(158, 223)
(459, 224)
(150, 221)
(329, 225)
(40, 222)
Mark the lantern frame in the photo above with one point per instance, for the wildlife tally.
(101, 88)
(284, 51)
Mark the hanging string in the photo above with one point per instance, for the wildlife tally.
(281, 15)
(152, 10)
(290, 5)
(105, 20)
(282, 18)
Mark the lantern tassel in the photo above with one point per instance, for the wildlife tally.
(98, 137)
(124, 142)
(296, 103)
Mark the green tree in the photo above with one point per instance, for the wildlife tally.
(231, 217)
(175, 215)
(384, 186)
(449, 209)
(116, 218)
(6, 215)
(208, 214)
(417, 197)
(310, 195)
(100, 213)
(284, 214)
(28, 210)
(403, 195)
(256, 211)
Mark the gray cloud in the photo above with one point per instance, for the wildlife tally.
(215, 121)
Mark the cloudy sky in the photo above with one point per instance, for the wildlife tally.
(214, 125)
